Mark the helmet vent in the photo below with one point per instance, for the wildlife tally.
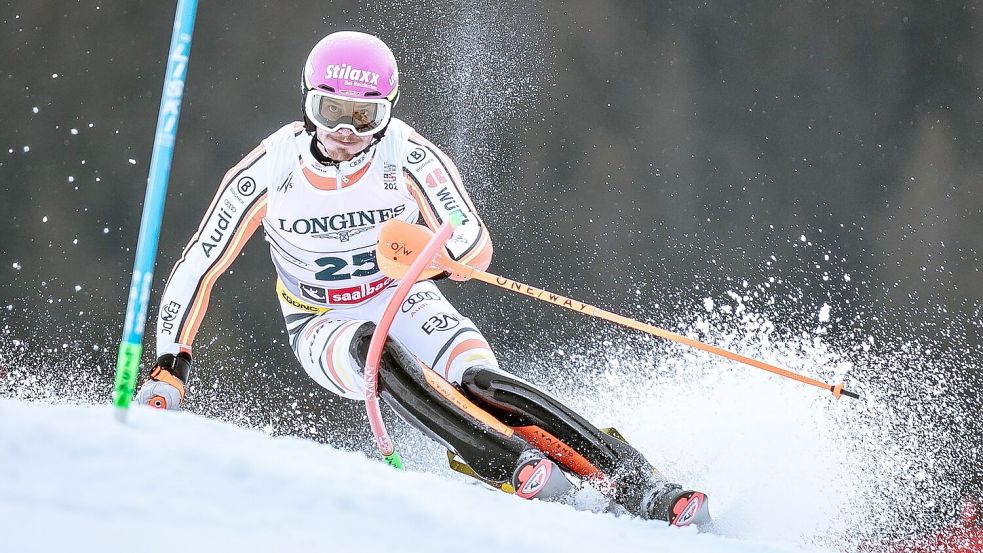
(326, 87)
(373, 93)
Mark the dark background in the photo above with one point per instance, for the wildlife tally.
(641, 156)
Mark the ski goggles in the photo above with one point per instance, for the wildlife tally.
(332, 113)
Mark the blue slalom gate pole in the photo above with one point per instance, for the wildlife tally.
(131, 346)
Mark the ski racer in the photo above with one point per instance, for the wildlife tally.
(321, 189)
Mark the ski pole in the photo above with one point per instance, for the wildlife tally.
(399, 241)
(130, 349)
(423, 258)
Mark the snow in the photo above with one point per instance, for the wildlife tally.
(824, 313)
(75, 479)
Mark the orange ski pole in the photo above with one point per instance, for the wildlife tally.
(401, 242)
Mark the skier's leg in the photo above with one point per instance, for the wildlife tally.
(639, 488)
(332, 345)
(320, 339)
(441, 338)
(437, 408)
(438, 335)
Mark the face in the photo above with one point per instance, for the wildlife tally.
(341, 145)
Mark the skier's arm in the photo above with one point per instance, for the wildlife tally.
(233, 216)
(433, 180)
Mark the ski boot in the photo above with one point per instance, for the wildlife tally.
(537, 477)
(678, 507)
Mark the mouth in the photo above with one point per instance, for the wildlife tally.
(348, 141)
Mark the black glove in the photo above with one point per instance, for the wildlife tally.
(165, 387)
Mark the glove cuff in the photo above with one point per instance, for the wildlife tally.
(172, 369)
(163, 375)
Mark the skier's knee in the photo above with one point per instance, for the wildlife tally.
(464, 353)
(506, 394)
(395, 361)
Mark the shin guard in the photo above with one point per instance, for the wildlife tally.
(438, 409)
(520, 404)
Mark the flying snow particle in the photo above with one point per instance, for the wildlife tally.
(27, 149)
(802, 238)
(16, 266)
(105, 230)
(132, 161)
(54, 75)
(78, 288)
(71, 178)
(846, 278)
(824, 313)
(74, 131)
(708, 304)
(35, 109)
(44, 219)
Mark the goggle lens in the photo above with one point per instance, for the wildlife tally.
(331, 113)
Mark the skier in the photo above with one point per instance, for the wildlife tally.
(321, 189)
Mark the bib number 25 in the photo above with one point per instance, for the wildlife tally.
(336, 268)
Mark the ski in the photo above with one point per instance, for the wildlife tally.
(458, 464)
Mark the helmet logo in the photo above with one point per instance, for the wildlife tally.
(346, 72)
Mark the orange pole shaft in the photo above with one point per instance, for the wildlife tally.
(590, 310)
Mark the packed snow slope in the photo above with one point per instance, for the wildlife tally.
(72, 478)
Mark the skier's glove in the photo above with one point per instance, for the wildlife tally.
(165, 388)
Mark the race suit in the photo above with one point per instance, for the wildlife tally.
(322, 223)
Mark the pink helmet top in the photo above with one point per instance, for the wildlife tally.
(352, 64)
